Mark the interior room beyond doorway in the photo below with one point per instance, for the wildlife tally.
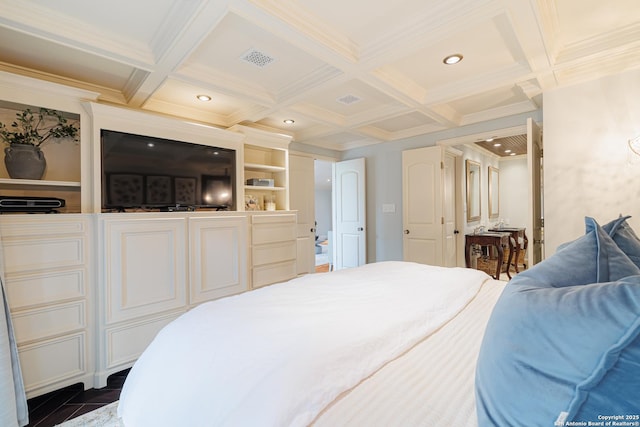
(323, 215)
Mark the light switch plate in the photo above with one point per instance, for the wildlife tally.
(388, 207)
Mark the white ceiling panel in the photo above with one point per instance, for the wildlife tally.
(274, 63)
(351, 98)
(52, 58)
(484, 53)
(101, 15)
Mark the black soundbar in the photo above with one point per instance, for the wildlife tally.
(30, 204)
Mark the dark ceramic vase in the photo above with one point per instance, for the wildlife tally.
(24, 161)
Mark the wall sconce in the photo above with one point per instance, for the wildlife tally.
(634, 145)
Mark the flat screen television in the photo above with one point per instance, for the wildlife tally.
(153, 173)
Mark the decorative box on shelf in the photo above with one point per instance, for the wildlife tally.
(261, 182)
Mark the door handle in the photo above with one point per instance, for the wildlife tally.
(360, 229)
(456, 232)
(406, 231)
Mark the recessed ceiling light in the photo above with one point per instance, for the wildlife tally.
(489, 139)
(452, 59)
(507, 151)
(289, 121)
(497, 144)
(512, 154)
(204, 98)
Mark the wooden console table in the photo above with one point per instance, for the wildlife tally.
(517, 234)
(499, 240)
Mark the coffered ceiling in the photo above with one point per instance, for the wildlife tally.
(349, 73)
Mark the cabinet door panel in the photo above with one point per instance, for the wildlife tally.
(127, 342)
(146, 266)
(218, 257)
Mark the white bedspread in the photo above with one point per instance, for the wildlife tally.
(279, 355)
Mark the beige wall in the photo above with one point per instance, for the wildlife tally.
(514, 177)
(588, 169)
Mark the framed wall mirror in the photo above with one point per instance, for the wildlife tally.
(494, 192)
(473, 190)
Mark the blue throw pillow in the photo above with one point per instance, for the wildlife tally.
(563, 341)
(569, 353)
(592, 258)
(625, 238)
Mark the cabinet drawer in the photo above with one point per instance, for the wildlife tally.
(273, 228)
(43, 288)
(273, 273)
(23, 226)
(47, 322)
(274, 252)
(50, 361)
(34, 254)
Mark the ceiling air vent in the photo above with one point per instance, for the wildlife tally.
(348, 99)
(257, 58)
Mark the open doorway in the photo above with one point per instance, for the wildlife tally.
(519, 183)
(323, 186)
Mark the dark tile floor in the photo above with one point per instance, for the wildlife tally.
(61, 405)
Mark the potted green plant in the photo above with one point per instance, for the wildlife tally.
(23, 157)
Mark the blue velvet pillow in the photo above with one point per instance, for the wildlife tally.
(569, 353)
(624, 237)
(563, 341)
(592, 258)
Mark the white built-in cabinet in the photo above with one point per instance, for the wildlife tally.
(88, 293)
(87, 290)
(48, 265)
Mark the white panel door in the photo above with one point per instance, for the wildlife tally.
(350, 211)
(422, 210)
(535, 251)
(302, 200)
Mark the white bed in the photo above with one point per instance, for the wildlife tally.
(390, 343)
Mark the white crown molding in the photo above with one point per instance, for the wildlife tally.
(35, 83)
(592, 68)
(626, 37)
(180, 112)
(496, 133)
(495, 113)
